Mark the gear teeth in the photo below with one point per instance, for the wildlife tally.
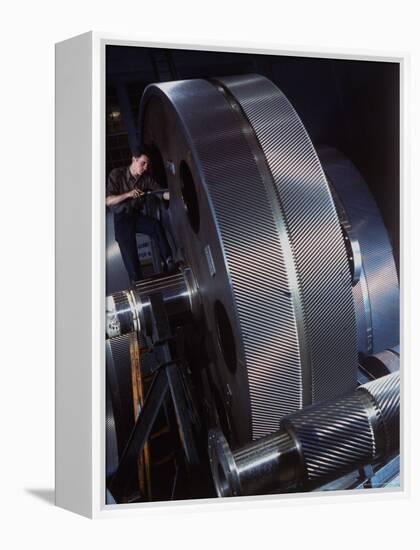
(314, 232)
(385, 392)
(334, 436)
(279, 239)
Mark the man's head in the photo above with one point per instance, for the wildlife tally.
(140, 162)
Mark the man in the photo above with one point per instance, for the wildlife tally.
(125, 193)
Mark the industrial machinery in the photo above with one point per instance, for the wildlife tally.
(270, 360)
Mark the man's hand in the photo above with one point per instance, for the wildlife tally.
(112, 200)
(134, 194)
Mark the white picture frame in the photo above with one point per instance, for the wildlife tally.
(80, 272)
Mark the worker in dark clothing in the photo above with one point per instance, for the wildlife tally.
(125, 196)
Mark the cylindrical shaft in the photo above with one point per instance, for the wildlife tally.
(131, 310)
(271, 462)
(319, 442)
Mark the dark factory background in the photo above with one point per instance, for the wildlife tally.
(350, 105)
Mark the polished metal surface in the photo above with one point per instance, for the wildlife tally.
(385, 392)
(355, 429)
(274, 459)
(178, 293)
(321, 442)
(253, 217)
(313, 228)
(334, 436)
(224, 470)
(376, 296)
(382, 363)
(121, 314)
(288, 272)
(131, 311)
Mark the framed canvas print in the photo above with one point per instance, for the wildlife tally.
(228, 264)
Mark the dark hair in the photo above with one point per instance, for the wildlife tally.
(139, 151)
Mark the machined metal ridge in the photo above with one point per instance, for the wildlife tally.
(360, 289)
(333, 436)
(314, 230)
(232, 192)
(384, 392)
(380, 282)
(284, 238)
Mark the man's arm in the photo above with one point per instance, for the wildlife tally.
(112, 200)
(114, 187)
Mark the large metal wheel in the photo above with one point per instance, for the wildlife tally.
(253, 217)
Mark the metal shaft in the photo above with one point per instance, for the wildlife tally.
(131, 310)
(317, 443)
